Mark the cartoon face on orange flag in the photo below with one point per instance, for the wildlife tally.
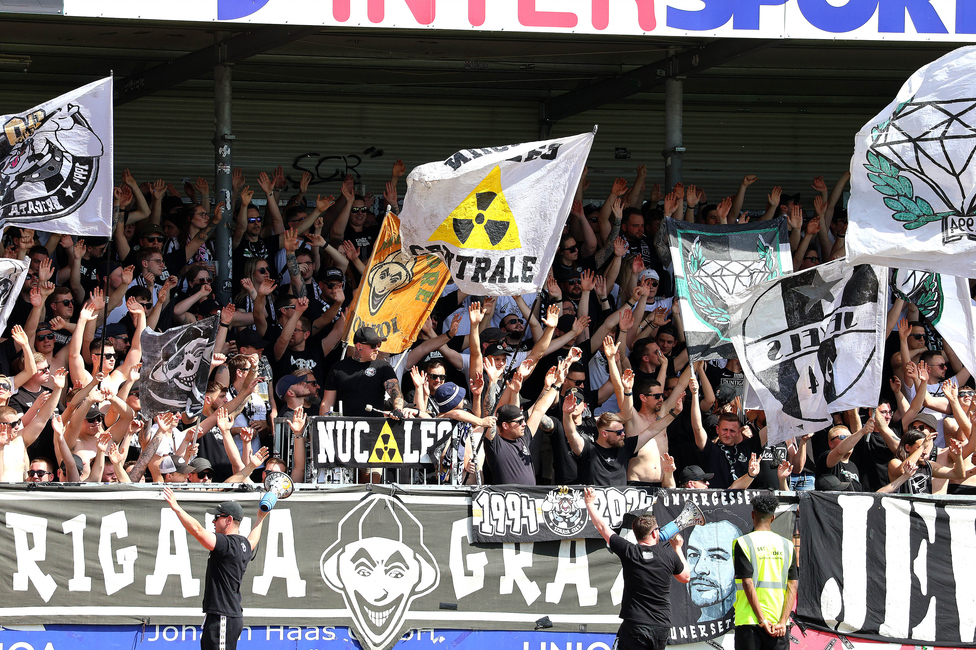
(397, 294)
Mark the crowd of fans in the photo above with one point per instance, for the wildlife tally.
(587, 382)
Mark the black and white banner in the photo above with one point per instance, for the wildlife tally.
(713, 262)
(377, 442)
(896, 569)
(811, 344)
(56, 164)
(354, 557)
(13, 273)
(175, 368)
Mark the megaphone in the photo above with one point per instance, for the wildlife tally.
(690, 515)
(279, 486)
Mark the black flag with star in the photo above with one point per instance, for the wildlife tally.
(811, 344)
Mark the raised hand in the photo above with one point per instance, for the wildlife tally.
(265, 183)
(813, 227)
(60, 377)
(237, 179)
(476, 313)
(610, 347)
(588, 281)
(298, 420)
(350, 251)
(753, 465)
(819, 205)
(749, 179)
(600, 287)
(20, 336)
(667, 464)
(619, 187)
(723, 208)
(246, 194)
(323, 203)
(291, 240)
(525, 369)
(166, 421)
(202, 186)
(303, 184)
(552, 316)
(267, 287)
(774, 196)
(691, 196)
(628, 379)
(904, 329)
(795, 218)
(477, 385)
(819, 185)
(620, 247)
(671, 202)
(552, 287)
(224, 421)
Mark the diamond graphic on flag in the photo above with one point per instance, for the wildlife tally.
(935, 141)
(731, 276)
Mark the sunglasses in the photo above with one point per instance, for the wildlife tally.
(360, 210)
(917, 337)
(107, 357)
(6, 386)
(335, 285)
(652, 282)
(45, 337)
(519, 422)
(159, 239)
(254, 220)
(942, 365)
(619, 432)
(578, 382)
(97, 418)
(200, 281)
(63, 302)
(45, 370)
(571, 249)
(844, 437)
(512, 322)
(574, 281)
(38, 473)
(655, 395)
(13, 425)
(263, 270)
(371, 345)
(438, 377)
(812, 258)
(205, 475)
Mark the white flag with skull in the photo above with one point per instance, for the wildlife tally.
(913, 175)
(56, 164)
(175, 368)
(812, 344)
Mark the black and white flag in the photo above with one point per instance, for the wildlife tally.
(713, 262)
(13, 273)
(56, 164)
(175, 368)
(812, 344)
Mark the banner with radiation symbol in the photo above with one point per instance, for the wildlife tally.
(397, 294)
(495, 215)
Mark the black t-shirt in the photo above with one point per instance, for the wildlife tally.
(363, 240)
(510, 461)
(770, 457)
(681, 441)
(719, 377)
(311, 358)
(212, 448)
(43, 446)
(265, 247)
(647, 581)
(225, 571)
(606, 465)
(845, 471)
(358, 383)
(726, 462)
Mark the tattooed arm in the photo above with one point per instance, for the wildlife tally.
(291, 262)
(392, 387)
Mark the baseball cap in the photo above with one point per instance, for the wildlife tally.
(249, 338)
(231, 508)
(493, 334)
(151, 229)
(497, 350)
(115, 330)
(170, 464)
(368, 336)
(649, 273)
(105, 270)
(285, 383)
(927, 419)
(565, 323)
(563, 273)
(79, 464)
(830, 483)
(448, 396)
(44, 325)
(508, 413)
(693, 473)
(334, 275)
(200, 464)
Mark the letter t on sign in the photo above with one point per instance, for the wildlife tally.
(528, 16)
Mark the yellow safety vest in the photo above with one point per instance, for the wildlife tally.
(771, 556)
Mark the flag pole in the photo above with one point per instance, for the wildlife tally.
(108, 257)
(481, 441)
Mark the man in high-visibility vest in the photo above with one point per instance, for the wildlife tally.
(765, 581)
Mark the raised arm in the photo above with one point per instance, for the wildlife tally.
(194, 527)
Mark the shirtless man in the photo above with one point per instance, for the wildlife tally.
(18, 432)
(646, 466)
(87, 424)
(103, 359)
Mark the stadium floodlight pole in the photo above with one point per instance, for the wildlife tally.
(223, 185)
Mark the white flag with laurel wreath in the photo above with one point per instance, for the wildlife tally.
(913, 177)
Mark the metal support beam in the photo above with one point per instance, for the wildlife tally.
(200, 63)
(673, 150)
(648, 77)
(223, 139)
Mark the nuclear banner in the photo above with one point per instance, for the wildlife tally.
(495, 215)
(398, 293)
(377, 442)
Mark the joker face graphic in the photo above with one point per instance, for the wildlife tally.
(380, 565)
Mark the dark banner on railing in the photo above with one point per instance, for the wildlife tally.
(889, 568)
(377, 442)
(378, 560)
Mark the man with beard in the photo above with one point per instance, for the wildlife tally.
(605, 461)
(645, 468)
(712, 586)
(362, 379)
(647, 570)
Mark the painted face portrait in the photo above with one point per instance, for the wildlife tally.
(712, 586)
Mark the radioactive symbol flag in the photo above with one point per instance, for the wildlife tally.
(483, 220)
(386, 449)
